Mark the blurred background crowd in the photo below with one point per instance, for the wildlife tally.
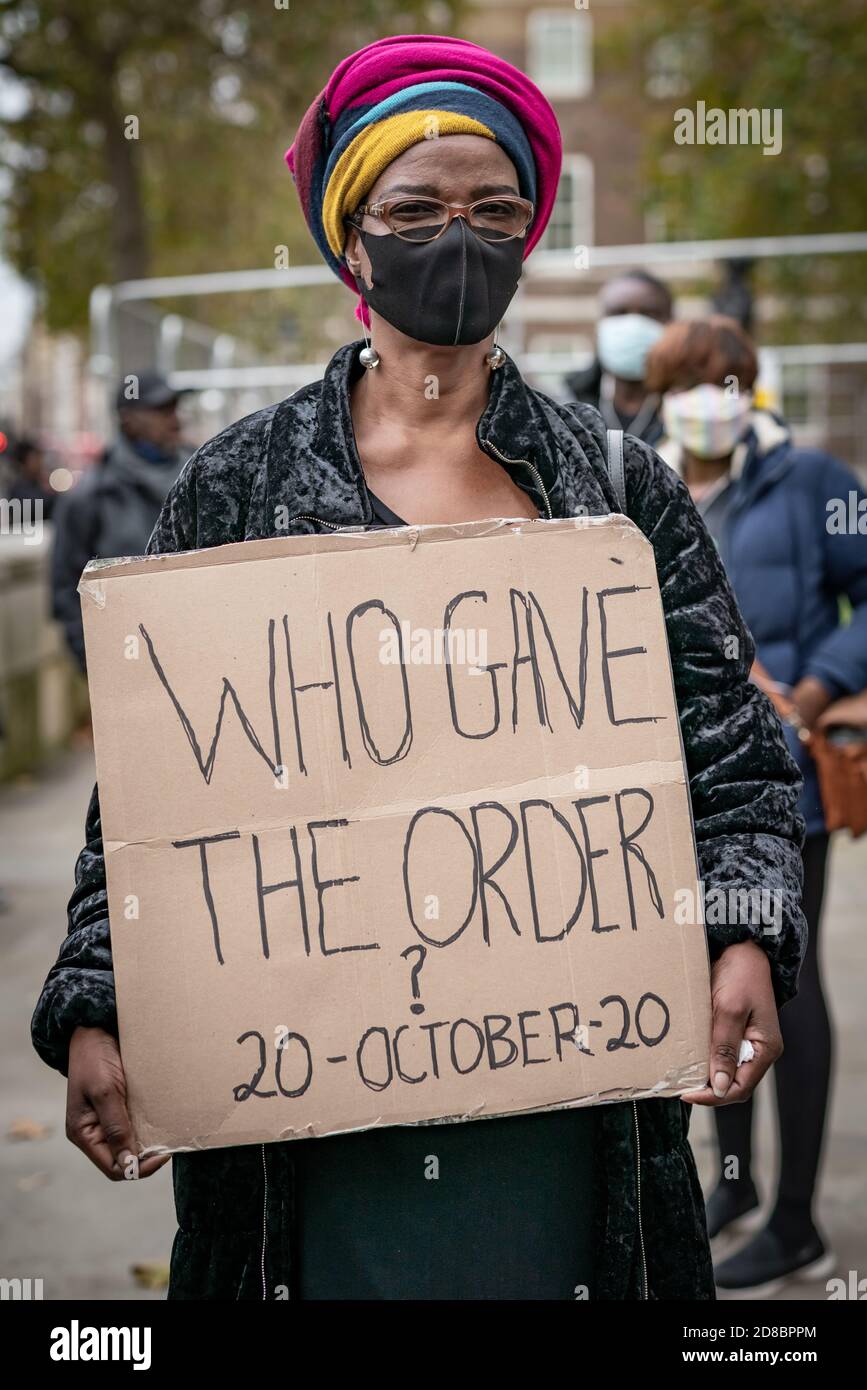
(158, 282)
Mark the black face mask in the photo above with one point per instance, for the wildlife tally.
(449, 291)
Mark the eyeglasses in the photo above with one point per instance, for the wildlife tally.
(425, 219)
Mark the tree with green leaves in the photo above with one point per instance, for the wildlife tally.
(145, 136)
(805, 60)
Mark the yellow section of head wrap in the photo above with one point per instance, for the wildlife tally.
(372, 150)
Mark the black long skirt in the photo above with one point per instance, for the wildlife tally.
(483, 1209)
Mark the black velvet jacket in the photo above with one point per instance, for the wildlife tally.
(294, 468)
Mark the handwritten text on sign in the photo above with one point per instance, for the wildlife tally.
(394, 825)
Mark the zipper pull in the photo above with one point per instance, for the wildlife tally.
(644, 1290)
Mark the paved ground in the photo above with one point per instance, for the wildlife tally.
(62, 1222)
(842, 1207)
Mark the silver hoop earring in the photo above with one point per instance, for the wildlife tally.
(368, 357)
(496, 357)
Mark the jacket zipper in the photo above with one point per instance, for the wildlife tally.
(644, 1291)
(264, 1223)
(305, 516)
(489, 444)
(534, 473)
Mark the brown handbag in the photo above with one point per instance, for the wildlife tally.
(838, 746)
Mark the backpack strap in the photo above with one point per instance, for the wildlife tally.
(616, 466)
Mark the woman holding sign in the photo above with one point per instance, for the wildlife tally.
(427, 170)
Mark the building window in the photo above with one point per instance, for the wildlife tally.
(571, 222)
(671, 62)
(560, 52)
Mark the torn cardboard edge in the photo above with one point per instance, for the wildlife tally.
(683, 1082)
(99, 572)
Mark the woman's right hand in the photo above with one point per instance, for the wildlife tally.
(97, 1120)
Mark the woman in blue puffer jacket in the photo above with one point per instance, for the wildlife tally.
(786, 523)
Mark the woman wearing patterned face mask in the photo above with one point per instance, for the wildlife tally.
(426, 170)
(766, 504)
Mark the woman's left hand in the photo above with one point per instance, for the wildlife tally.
(810, 698)
(743, 1007)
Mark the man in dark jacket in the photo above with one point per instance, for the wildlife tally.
(635, 309)
(28, 484)
(114, 508)
(293, 469)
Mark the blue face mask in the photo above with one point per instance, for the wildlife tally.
(623, 342)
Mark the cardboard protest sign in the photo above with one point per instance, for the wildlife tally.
(394, 825)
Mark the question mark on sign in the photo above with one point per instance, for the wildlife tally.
(415, 1008)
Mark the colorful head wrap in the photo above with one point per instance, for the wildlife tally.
(399, 91)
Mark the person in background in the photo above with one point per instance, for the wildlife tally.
(114, 508)
(767, 504)
(28, 484)
(7, 463)
(635, 309)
